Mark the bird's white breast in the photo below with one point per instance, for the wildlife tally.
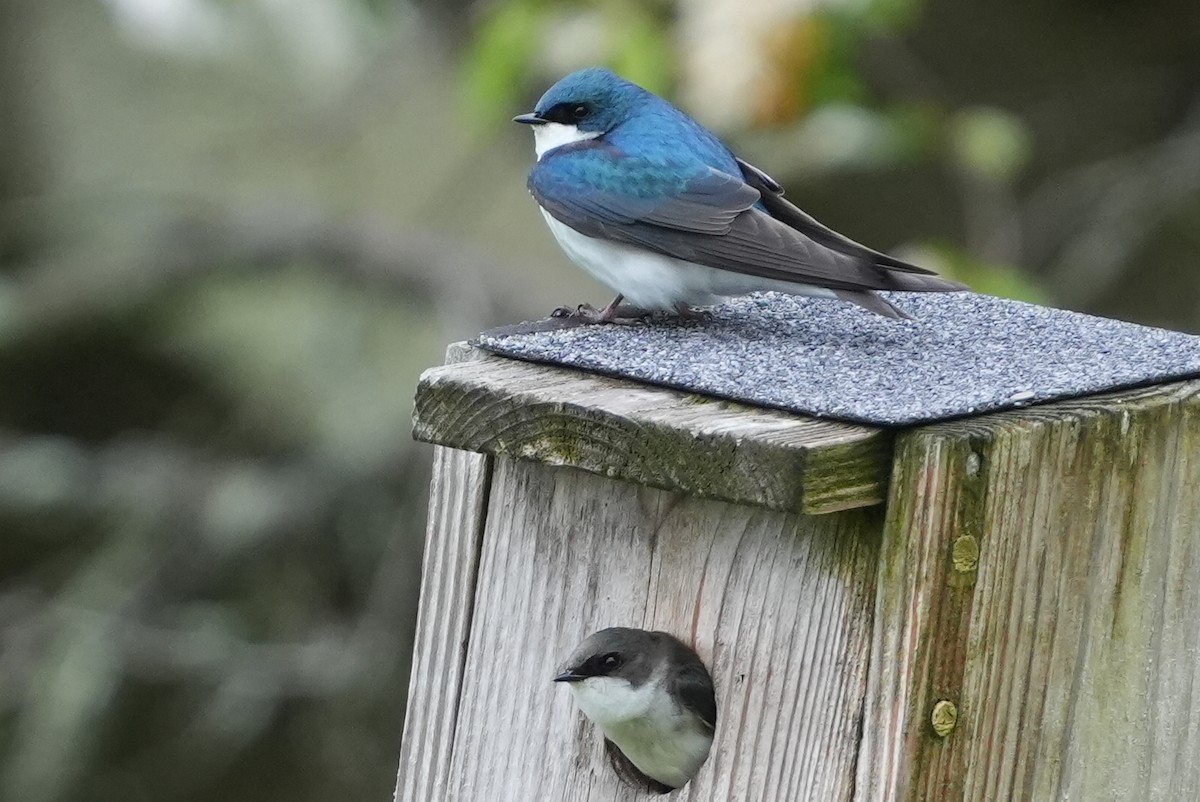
(654, 281)
(662, 739)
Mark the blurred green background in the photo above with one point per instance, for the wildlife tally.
(232, 232)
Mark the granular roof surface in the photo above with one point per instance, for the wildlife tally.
(964, 354)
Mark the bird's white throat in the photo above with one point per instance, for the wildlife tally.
(612, 700)
(658, 736)
(548, 136)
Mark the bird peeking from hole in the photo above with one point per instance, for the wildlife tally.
(652, 698)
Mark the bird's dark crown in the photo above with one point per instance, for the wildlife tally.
(630, 654)
(592, 100)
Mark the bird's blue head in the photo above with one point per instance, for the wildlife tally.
(583, 105)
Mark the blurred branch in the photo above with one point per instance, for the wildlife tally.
(22, 160)
(1086, 224)
(227, 504)
(451, 18)
(427, 268)
(895, 69)
(175, 517)
(206, 653)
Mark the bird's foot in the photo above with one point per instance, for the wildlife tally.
(583, 311)
(688, 313)
(615, 313)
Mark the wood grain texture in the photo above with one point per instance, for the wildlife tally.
(1072, 649)
(457, 506)
(653, 436)
(776, 604)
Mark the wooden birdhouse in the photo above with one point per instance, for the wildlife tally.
(953, 559)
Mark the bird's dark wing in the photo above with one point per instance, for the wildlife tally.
(694, 688)
(784, 211)
(702, 215)
(596, 188)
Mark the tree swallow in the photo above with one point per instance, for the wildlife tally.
(650, 203)
(653, 700)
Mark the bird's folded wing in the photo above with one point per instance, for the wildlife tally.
(693, 687)
(703, 215)
(797, 218)
(593, 187)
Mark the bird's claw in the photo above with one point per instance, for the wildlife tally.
(618, 315)
(624, 314)
(585, 312)
(573, 311)
(688, 313)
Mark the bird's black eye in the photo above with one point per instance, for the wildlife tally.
(610, 661)
(567, 113)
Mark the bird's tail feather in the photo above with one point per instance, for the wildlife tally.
(920, 282)
(872, 302)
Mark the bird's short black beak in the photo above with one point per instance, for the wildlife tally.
(569, 676)
(529, 119)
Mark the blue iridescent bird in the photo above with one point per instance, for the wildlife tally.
(650, 203)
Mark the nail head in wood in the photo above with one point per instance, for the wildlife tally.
(965, 554)
(944, 717)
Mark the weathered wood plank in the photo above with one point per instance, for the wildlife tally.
(457, 506)
(1072, 648)
(653, 436)
(777, 605)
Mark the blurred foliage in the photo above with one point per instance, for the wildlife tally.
(989, 279)
(631, 38)
(990, 143)
(232, 234)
